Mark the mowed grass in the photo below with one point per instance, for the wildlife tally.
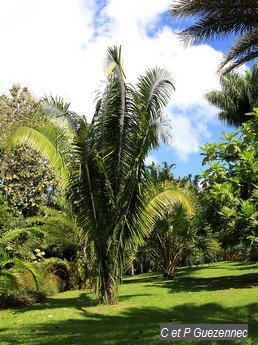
(219, 293)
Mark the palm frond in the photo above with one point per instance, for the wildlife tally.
(244, 50)
(219, 18)
(154, 90)
(50, 140)
(59, 108)
(14, 233)
(155, 204)
(216, 18)
(113, 63)
(30, 267)
(238, 96)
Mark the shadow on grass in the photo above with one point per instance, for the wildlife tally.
(185, 281)
(143, 278)
(124, 298)
(187, 271)
(84, 300)
(134, 325)
(246, 265)
(193, 284)
(155, 277)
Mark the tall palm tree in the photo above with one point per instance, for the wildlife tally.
(102, 165)
(238, 96)
(219, 18)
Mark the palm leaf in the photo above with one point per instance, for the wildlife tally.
(238, 96)
(14, 233)
(49, 139)
(57, 107)
(244, 50)
(218, 18)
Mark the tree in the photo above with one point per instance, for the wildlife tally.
(238, 97)
(220, 18)
(63, 238)
(25, 178)
(166, 245)
(178, 237)
(158, 174)
(102, 165)
(177, 241)
(11, 264)
(230, 185)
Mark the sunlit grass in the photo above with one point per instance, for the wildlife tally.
(220, 293)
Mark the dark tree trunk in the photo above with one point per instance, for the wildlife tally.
(108, 286)
(169, 270)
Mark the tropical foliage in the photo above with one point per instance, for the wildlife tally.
(238, 96)
(102, 165)
(177, 241)
(216, 19)
(80, 208)
(230, 182)
(25, 178)
(12, 268)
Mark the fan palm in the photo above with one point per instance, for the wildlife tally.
(219, 18)
(238, 97)
(102, 164)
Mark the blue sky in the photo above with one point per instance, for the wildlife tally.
(59, 46)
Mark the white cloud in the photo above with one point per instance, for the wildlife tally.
(55, 47)
(186, 139)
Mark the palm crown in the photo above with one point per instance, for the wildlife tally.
(219, 18)
(238, 96)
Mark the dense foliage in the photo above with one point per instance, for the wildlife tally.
(102, 165)
(230, 185)
(237, 97)
(25, 177)
(112, 214)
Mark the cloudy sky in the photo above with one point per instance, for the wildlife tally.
(58, 47)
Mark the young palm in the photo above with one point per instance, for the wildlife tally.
(12, 267)
(102, 164)
(177, 239)
(238, 97)
(219, 18)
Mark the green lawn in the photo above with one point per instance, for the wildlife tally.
(220, 293)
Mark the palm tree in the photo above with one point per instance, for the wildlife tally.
(10, 266)
(238, 97)
(64, 238)
(219, 18)
(176, 239)
(102, 165)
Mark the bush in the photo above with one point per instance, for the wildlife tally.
(56, 273)
(54, 277)
(21, 298)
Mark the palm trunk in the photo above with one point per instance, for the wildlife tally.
(132, 269)
(169, 270)
(108, 291)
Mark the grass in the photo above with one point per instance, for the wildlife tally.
(220, 293)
